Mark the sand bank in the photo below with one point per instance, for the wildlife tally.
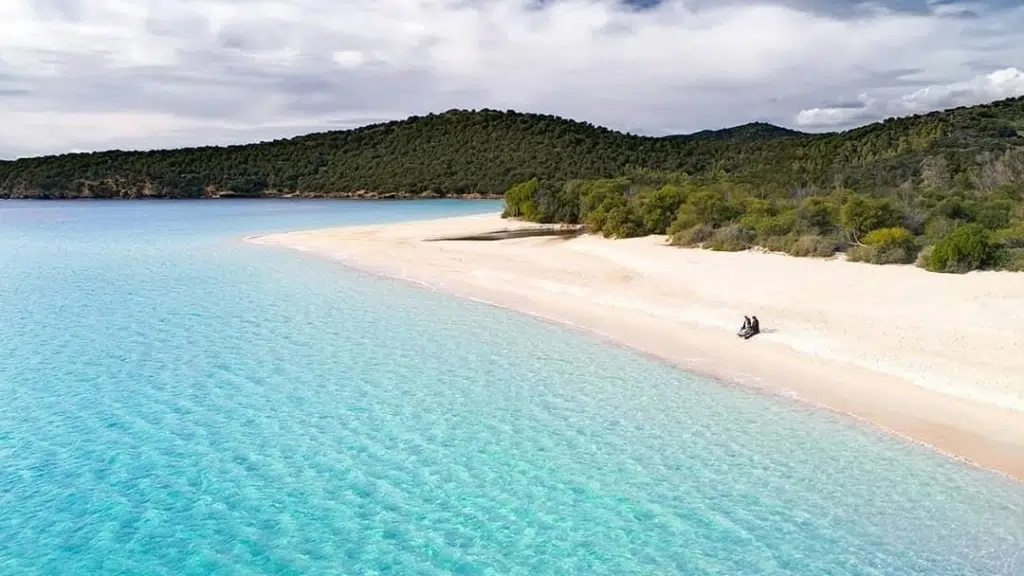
(938, 358)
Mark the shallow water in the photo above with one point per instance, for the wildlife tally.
(176, 401)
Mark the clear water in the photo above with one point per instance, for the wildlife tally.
(175, 401)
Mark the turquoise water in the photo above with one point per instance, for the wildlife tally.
(175, 401)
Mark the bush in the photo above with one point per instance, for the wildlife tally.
(816, 215)
(732, 238)
(861, 214)
(861, 254)
(710, 207)
(924, 256)
(622, 222)
(779, 243)
(1010, 237)
(1011, 260)
(968, 247)
(520, 201)
(686, 218)
(557, 204)
(766, 226)
(939, 227)
(813, 245)
(952, 208)
(693, 236)
(886, 246)
(614, 208)
(657, 209)
(993, 214)
(877, 255)
(889, 237)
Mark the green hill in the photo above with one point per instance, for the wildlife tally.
(467, 152)
(944, 190)
(751, 131)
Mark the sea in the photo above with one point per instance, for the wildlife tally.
(177, 401)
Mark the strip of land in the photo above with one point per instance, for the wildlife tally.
(934, 357)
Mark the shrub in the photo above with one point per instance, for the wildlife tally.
(900, 255)
(597, 219)
(732, 238)
(692, 236)
(816, 215)
(889, 237)
(622, 222)
(1011, 260)
(765, 226)
(939, 227)
(814, 245)
(924, 256)
(886, 246)
(993, 214)
(861, 214)
(596, 193)
(952, 208)
(686, 218)
(520, 201)
(658, 208)
(878, 255)
(861, 253)
(710, 207)
(557, 204)
(968, 247)
(779, 243)
(1010, 237)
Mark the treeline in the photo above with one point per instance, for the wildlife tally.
(942, 229)
(459, 153)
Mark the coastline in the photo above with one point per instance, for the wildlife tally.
(290, 196)
(931, 357)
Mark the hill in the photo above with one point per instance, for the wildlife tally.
(751, 131)
(944, 190)
(484, 152)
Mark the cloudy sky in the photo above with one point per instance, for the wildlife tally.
(96, 74)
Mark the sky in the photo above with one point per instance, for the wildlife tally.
(79, 75)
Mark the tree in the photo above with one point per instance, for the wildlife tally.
(968, 247)
(860, 215)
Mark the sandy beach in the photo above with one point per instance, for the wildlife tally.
(937, 358)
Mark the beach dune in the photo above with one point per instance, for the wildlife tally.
(934, 357)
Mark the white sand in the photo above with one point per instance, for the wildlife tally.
(939, 358)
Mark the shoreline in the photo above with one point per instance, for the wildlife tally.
(299, 196)
(637, 294)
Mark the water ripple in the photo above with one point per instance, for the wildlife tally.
(174, 403)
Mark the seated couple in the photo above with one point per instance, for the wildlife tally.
(751, 327)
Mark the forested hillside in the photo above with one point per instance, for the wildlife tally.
(945, 190)
(485, 152)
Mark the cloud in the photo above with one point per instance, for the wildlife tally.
(997, 85)
(152, 73)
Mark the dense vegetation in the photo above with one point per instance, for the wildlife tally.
(485, 152)
(457, 153)
(944, 190)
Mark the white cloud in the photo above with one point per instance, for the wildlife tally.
(349, 58)
(147, 73)
(1005, 83)
(997, 85)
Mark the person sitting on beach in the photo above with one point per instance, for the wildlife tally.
(754, 330)
(745, 327)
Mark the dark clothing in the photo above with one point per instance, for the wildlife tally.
(754, 330)
(751, 328)
(745, 327)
